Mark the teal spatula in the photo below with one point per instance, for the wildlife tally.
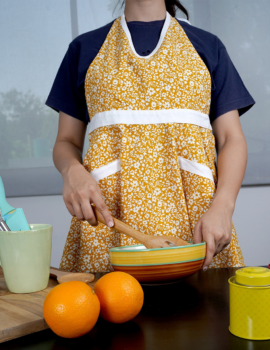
(14, 218)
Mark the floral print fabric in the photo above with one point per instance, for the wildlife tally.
(150, 192)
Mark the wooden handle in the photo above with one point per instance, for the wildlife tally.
(122, 227)
(65, 276)
(131, 232)
(55, 273)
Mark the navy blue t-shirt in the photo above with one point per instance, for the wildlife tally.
(228, 90)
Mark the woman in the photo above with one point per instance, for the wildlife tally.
(161, 96)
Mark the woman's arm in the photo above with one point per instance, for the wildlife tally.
(215, 226)
(80, 188)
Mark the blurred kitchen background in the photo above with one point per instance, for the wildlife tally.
(34, 36)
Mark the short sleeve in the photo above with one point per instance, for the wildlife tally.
(228, 90)
(65, 94)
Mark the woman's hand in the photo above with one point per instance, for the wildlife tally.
(79, 191)
(215, 228)
(80, 188)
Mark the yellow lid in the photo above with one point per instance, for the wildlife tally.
(253, 276)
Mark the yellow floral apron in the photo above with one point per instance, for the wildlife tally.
(151, 150)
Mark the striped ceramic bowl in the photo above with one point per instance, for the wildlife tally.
(158, 265)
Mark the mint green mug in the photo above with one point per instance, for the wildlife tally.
(26, 258)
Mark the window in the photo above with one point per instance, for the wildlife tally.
(242, 25)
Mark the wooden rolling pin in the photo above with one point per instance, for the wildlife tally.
(148, 241)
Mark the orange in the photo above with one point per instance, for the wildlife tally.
(120, 295)
(71, 309)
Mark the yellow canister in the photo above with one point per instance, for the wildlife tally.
(250, 303)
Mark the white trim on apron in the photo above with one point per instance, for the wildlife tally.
(161, 38)
(185, 116)
(184, 164)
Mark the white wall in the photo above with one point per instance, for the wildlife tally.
(251, 219)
